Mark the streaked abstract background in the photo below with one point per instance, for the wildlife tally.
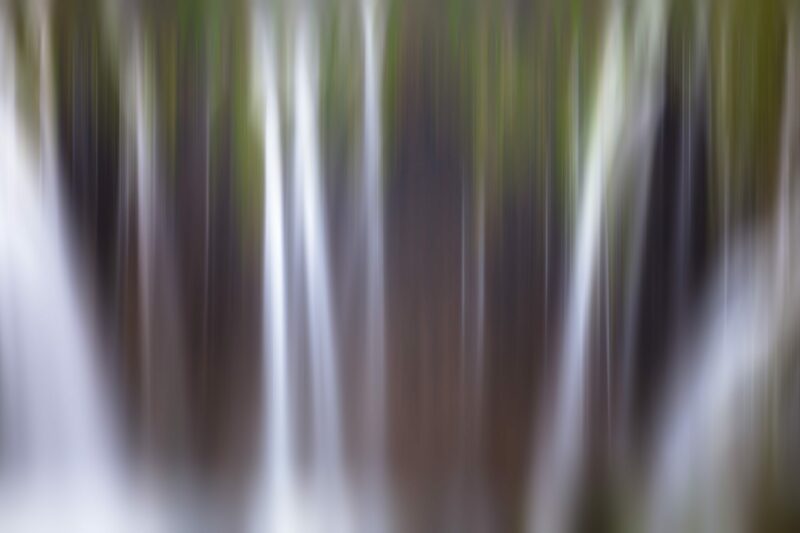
(366, 266)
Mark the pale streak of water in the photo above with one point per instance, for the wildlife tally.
(709, 436)
(373, 207)
(64, 428)
(281, 460)
(623, 107)
(556, 473)
(144, 182)
(61, 469)
(372, 24)
(326, 414)
(318, 499)
(706, 439)
(281, 512)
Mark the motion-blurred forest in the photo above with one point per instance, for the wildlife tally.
(534, 265)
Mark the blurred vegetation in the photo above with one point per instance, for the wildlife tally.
(517, 78)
